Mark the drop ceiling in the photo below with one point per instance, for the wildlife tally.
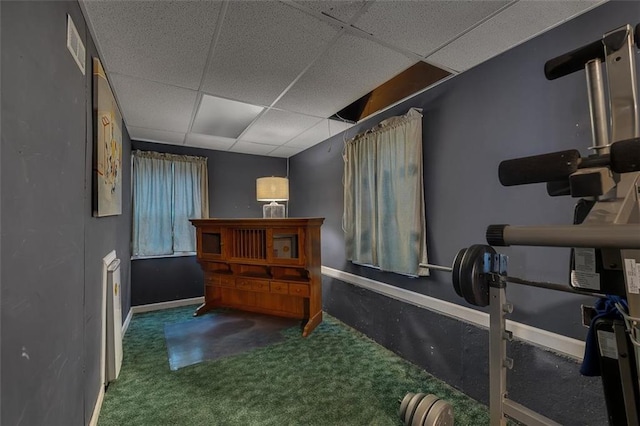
(262, 77)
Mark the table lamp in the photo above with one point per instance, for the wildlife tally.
(272, 189)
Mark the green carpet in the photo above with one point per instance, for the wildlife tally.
(336, 376)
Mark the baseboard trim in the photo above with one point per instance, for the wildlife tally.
(127, 320)
(97, 408)
(555, 342)
(167, 305)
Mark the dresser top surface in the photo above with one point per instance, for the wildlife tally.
(289, 221)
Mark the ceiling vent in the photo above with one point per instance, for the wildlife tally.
(410, 81)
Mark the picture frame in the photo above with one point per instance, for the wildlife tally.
(107, 147)
(284, 247)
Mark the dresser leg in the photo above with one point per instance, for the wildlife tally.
(312, 324)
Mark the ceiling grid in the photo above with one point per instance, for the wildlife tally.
(294, 62)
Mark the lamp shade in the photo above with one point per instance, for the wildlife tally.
(272, 189)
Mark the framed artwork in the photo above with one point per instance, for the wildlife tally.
(107, 149)
(284, 246)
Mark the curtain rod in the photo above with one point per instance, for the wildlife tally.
(384, 124)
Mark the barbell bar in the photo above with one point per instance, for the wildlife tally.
(471, 279)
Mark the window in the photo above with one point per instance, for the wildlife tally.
(384, 214)
(168, 190)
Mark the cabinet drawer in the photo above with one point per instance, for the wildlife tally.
(279, 287)
(299, 290)
(219, 280)
(252, 284)
(227, 281)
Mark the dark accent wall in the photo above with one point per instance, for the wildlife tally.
(501, 109)
(52, 247)
(232, 193)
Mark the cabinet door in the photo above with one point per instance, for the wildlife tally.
(286, 246)
(211, 243)
(247, 244)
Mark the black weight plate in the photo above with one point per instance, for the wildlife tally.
(463, 270)
(474, 283)
(455, 273)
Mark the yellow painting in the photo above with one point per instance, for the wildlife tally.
(108, 147)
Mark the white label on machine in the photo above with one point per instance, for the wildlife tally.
(607, 344)
(585, 280)
(632, 270)
(585, 260)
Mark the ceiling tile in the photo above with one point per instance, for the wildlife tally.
(165, 41)
(318, 133)
(510, 27)
(276, 127)
(284, 152)
(340, 10)
(153, 105)
(245, 147)
(351, 69)
(153, 135)
(209, 142)
(424, 26)
(223, 117)
(262, 47)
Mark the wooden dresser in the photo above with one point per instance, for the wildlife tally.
(270, 266)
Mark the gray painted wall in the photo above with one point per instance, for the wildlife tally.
(101, 236)
(501, 109)
(232, 193)
(52, 248)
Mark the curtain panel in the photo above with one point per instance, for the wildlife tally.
(384, 213)
(168, 190)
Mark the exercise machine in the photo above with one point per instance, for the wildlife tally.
(604, 238)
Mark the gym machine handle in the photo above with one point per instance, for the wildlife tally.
(575, 60)
(624, 157)
(589, 236)
(539, 168)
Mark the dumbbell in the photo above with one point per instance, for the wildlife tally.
(421, 409)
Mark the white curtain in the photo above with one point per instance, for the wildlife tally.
(384, 214)
(190, 196)
(168, 190)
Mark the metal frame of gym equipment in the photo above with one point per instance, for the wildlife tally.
(612, 224)
(610, 180)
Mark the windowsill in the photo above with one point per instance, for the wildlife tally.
(162, 256)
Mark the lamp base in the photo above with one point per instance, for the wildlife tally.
(273, 210)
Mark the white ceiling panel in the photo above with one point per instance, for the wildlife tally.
(145, 103)
(423, 26)
(245, 147)
(341, 10)
(165, 41)
(284, 152)
(512, 26)
(299, 59)
(318, 133)
(352, 69)
(223, 117)
(154, 135)
(209, 142)
(262, 48)
(276, 127)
